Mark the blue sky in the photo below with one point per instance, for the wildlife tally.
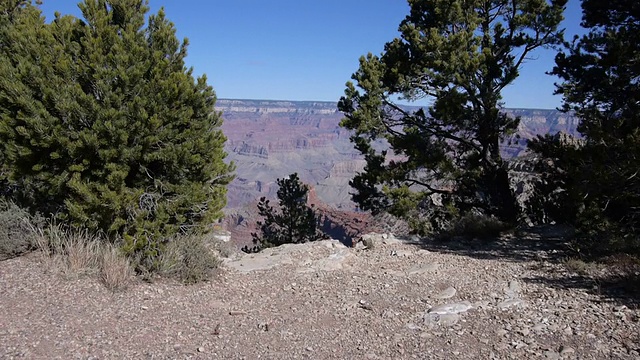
(307, 49)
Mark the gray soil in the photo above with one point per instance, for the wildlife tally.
(508, 299)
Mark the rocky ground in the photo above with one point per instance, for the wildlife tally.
(507, 299)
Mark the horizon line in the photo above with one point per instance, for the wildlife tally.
(335, 102)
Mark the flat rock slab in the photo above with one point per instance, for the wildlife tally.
(511, 303)
(287, 253)
(446, 320)
(422, 269)
(453, 308)
(249, 263)
(332, 262)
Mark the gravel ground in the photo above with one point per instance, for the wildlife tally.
(397, 300)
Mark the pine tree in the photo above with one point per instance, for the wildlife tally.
(105, 127)
(444, 160)
(598, 181)
(295, 222)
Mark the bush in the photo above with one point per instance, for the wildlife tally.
(189, 259)
(17, 230)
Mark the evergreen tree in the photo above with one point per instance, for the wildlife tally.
(295, 222)
(599, 178)
(104, 126)
(444, 160)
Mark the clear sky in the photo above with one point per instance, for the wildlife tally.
(307, 49)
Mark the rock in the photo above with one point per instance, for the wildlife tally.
(454, 308)
(446, 320)
(512, 290)
(200, 349)
(566, 350)
(510, 304)
(552, 355)
(446, 293)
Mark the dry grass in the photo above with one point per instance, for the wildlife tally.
(73, 253)
(579, 266)
(116, 271)
(189, 259)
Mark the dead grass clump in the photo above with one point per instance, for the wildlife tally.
(189, 259)
(116, 271)
(70, 252)
(579, 266)
(74, 253)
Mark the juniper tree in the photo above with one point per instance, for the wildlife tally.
(293, 222)
(104, 126)
(444, 160)
(598, 180)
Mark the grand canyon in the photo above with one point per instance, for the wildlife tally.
(268, 140)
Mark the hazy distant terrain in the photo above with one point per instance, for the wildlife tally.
(272, 139)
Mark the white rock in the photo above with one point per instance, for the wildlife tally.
(454, 308)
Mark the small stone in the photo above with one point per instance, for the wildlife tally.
(538, 327)
(568, 330)
(552, 355)
(620, 308)
(200, 349)
(309, 348)
(524, 331)
(566, 350)
(446, 293)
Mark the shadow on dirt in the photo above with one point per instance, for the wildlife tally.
(617, 281)
(528, 244)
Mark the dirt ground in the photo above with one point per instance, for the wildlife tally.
(509, 299)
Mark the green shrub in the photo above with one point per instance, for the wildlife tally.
(103, 125)
(17, 230)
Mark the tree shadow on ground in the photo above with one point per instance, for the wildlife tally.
(521, 245)
(617, 281)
